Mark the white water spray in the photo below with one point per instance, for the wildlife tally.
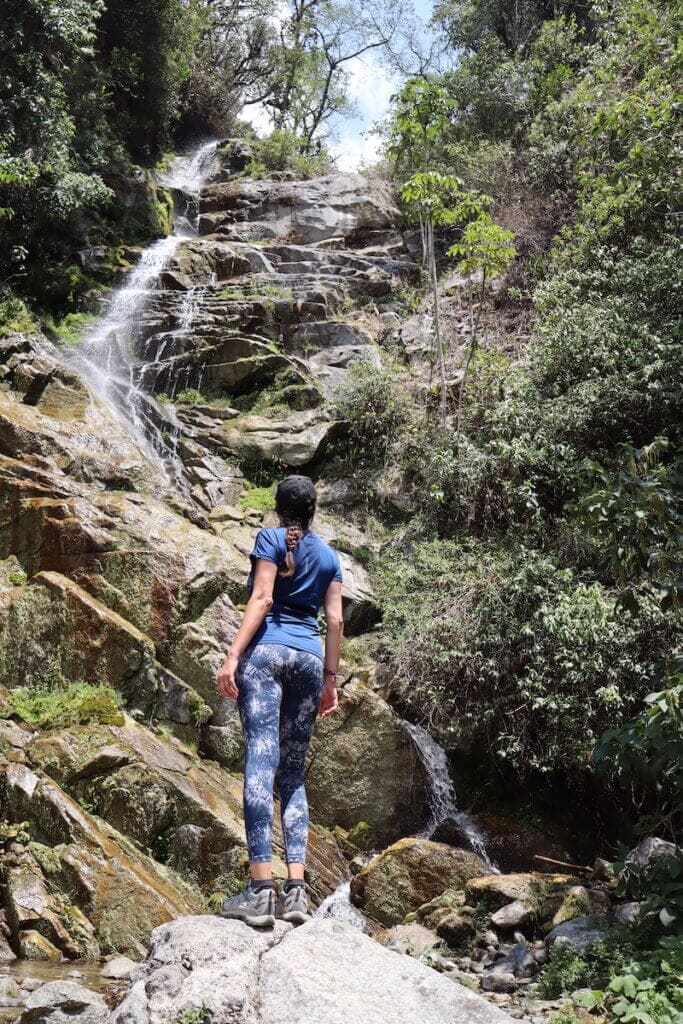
(443, 803)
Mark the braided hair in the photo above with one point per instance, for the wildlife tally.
(295, 501)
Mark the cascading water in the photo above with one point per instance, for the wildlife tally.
(106, 358)
(443, 804)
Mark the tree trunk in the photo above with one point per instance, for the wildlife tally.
(437, 324)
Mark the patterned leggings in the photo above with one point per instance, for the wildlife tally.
(279, 691)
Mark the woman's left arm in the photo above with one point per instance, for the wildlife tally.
(258, 606)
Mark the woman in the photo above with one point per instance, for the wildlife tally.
(276, 671)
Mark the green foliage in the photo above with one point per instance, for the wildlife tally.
(79, 704)
(484, 246)
(421, 119)
(650, 989)
(504, 651)
(15, 318)
(647, 752)
(201, 1016)
(374, 410)
(73, 328)
(284, 150)
(592, 968)
(636, 515)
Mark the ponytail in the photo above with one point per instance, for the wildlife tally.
(294, 534)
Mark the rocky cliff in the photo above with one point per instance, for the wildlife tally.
(125, 524)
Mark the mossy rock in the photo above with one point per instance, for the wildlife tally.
(409, 874)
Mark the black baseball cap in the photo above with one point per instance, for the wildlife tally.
(296, 495)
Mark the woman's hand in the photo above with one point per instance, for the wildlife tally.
(329, 701)
(225, 683)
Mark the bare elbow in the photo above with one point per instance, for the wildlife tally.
(264, 601)
(335, 622)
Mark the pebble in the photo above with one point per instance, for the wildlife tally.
(75, 974)
(31, 984)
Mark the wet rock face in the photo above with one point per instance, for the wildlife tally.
(364, 766)
(111, 574)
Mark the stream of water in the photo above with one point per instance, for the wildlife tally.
(106, 357)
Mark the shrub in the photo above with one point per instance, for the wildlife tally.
(502, 650)
(284, 150)
(593, 967)
(262, 499)
(375, 408)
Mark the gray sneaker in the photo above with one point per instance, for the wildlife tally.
(292, 905)
(254, 908)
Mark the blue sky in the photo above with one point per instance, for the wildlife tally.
(370, 86)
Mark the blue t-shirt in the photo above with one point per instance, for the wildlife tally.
(297, 599)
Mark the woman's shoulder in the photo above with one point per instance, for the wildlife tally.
(268, 541)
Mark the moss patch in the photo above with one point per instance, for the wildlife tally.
(79, 704)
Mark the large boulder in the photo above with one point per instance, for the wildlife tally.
(122, 893)
(325, 970)
(364, 766)
(541, 893)
(295, 440)
(346, 206)
(410, 873)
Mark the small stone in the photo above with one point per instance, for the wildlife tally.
(10, 993)
(513, 915)
(75, 974)
(61, 1001)
(499, 982)
(119, 969)
(31, 984)
(627, 913)
(579, 933)
(489, 938)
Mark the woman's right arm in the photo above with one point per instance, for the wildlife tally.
(334, 617)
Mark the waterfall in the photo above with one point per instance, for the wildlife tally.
(105, 359)
(443, 803)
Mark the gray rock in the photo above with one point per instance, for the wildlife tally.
(31, 984)
(627, 913)
(344, 206)
(498, 981)
(65, 1002)
(119, 968)
(652, 849)
(325, 970)
(10, 993)
(514, 915)
(579, 932)
(519, 961)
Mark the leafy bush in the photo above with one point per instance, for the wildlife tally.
(79, 704)
(649, 989)
(283, 150)
(375, 408)
(260, 498)
(502, 650)
(593, 968)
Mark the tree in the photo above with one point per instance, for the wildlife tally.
(428, 195)
(317, 41)
(484, 248)
(420, 123)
